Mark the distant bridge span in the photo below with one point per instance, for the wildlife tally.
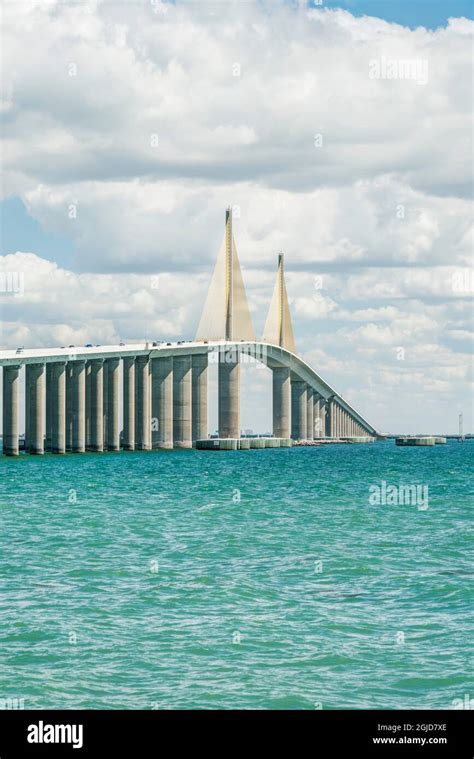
(72, 396)
(72, 399)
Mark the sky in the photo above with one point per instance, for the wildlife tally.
(340, 133)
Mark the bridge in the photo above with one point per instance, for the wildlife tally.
(72, 395)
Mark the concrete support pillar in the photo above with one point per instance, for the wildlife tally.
(322, 416)
(281, 402)
(229, 394)
(96, 405)
(162, 402)
(298, 410)
(78, 404)
(309, 413)
(35, 407)
(199, 397)
(105, 403)
(142, 404)
(48, 406)
(129, 403)
(317, 427)
(330, 424)
(88, 405)
(112, 368)
(182, 402)
(27, 408)
(69, 414)
(11, 409)
(58, 407)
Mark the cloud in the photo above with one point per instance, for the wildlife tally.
(130, 126)
(231, 96)
(145, 226)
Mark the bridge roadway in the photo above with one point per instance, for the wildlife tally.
(72, 397)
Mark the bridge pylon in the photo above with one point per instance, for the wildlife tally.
(278, 328)
(226, 314)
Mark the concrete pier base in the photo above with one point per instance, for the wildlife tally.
(257, 442)
(242, 444)
(415, 441)
(272, 442)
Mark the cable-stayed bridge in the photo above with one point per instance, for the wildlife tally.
(72, 396)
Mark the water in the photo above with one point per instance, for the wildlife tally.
(128, 579)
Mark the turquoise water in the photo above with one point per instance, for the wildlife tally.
(128, 579)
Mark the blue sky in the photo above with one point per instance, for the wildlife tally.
(20, 231)
(413, 13)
